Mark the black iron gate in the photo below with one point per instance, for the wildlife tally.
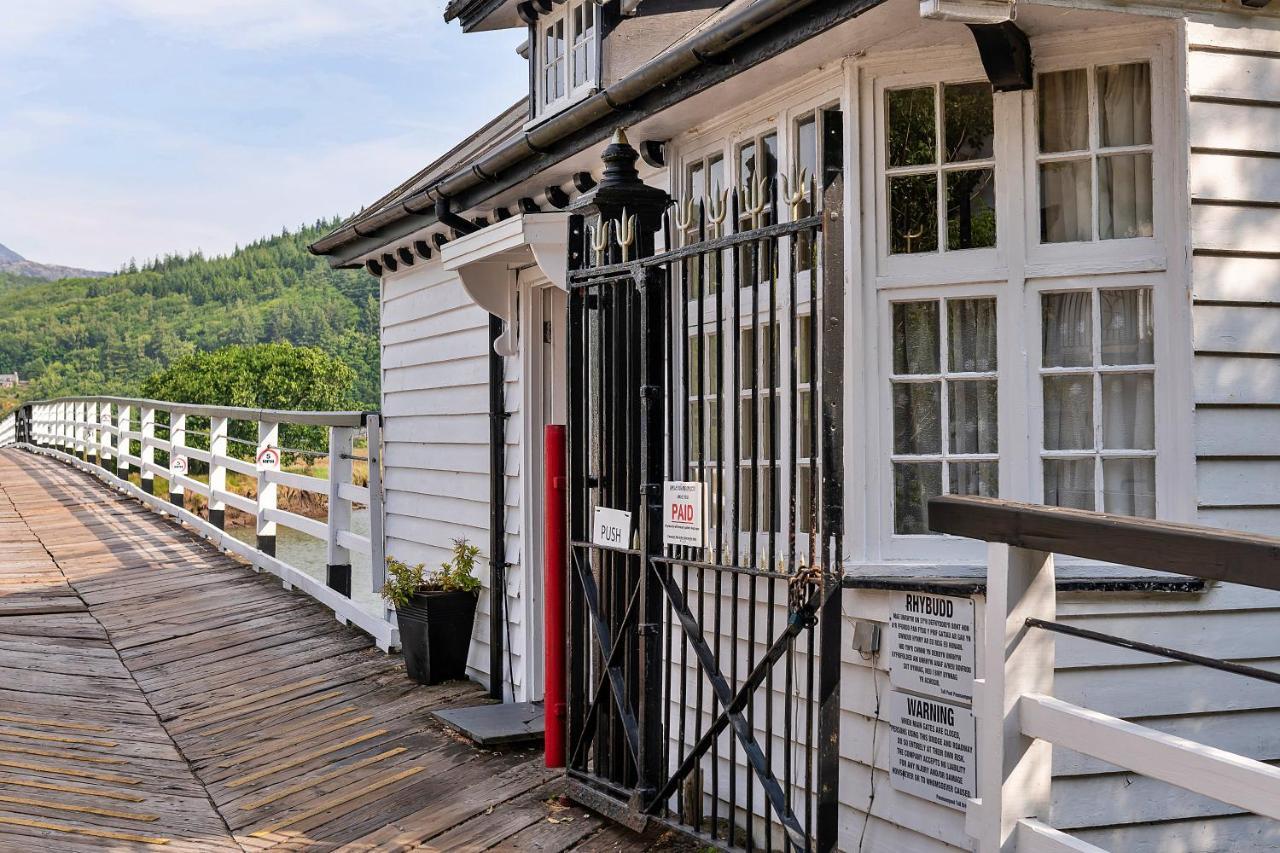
(703, 678)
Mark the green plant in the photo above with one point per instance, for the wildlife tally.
(456, 574)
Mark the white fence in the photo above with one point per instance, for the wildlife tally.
(8, 430)
(1019, 719)
(112, 437)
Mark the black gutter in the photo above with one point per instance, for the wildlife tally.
(741, 41)
(497, 511)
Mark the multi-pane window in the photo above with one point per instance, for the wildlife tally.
(1098, 380)
(704, 181)
(1094, 159)
(566, 50)
(757, 161)
(819, 156)
(940, 168)
(759, 414)
(945, 423)
(554, 62)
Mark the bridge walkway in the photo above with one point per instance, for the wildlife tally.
(156, 694)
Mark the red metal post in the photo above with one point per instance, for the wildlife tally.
(554, 593)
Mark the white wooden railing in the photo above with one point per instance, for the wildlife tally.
(8, 430)
(114, 437)
(1019, 719)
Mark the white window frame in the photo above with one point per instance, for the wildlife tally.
(941, 265)
(1023, 271)
(1065, 53)
(563, 13)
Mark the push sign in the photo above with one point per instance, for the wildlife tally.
(611, 528)
(682, 514)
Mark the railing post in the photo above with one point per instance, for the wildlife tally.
(178, 463)
(124, 446)
(1014, 771)
(377, 539)
(147, 450)
(338, 559)
(77, 430)
(91, 437)
(217, 471)
(268, 440)
(107, 438)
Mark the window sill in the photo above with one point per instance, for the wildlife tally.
(972, 579)
(555, 108)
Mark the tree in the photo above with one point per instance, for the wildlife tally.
(261, 376)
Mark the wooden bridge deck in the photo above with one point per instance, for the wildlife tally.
(157, 694)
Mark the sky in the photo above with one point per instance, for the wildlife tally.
(138, 128)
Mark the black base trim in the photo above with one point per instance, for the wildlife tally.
(267, 545)
(177, 499)
(149, 485)
(339, 579)
(218, 518)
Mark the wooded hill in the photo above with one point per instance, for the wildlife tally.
(107, 335)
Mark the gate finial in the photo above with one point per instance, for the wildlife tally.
(621, 193)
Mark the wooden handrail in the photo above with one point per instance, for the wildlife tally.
(1204, 552)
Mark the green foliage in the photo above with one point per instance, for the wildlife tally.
(261, 376)
(454, 575)
(107, 335)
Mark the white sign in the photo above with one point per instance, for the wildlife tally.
(933, 745)
(178, 465)
(931, 645)
(682, 514)
(611, 528)
(269, 459)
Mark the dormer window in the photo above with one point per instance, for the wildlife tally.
(566, 54)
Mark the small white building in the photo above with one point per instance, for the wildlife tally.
(1060, 284)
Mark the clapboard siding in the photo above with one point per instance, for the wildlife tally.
(435, 405)
(1233, 80)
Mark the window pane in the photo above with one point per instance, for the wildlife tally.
(1069, 483)
(1068, 412)
(973, 416)
(746, 521)
(1124, 104)
(804, 425)
(712, 366)
(971, 209)
(747, 358)
(695, 432)
(832, 146)
(1124, 196)
(975, 478)
(1128, 412)
(697, 184)
(715, 169)
(805, 523)
(913, 214)
(1066, 202)
(971, 335)
(802, 346)
(580, 64)
(911, 139)
(917, 427)
(913, 484)
(915, 338)
(1067, 329)
(967, 115)
(767, 450)
(1127, 333)
(1063, 97)
(807, 148)
(746, 429)
(714, 429)
(1129, 486)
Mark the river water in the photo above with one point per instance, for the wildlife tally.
(308, 554)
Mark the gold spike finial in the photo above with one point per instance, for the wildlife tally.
(619, 137)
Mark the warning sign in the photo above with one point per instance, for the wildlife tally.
(269, 459)
(179, 465)
(611, 528)
(933, 746)
(682, 514)
(931, 645)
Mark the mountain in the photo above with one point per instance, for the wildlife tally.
(107, 335)
(12, 262)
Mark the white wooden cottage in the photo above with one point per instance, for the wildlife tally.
(1061, 285)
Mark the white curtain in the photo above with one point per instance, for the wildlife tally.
(1124, 181)
(1066, 202)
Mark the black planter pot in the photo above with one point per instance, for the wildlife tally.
(435, 634)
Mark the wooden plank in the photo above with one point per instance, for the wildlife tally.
(1220, 775)
(83, 830)
(1188, 549)
(1246, 77)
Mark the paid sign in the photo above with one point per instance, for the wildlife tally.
(611, 528)
(682, 514)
